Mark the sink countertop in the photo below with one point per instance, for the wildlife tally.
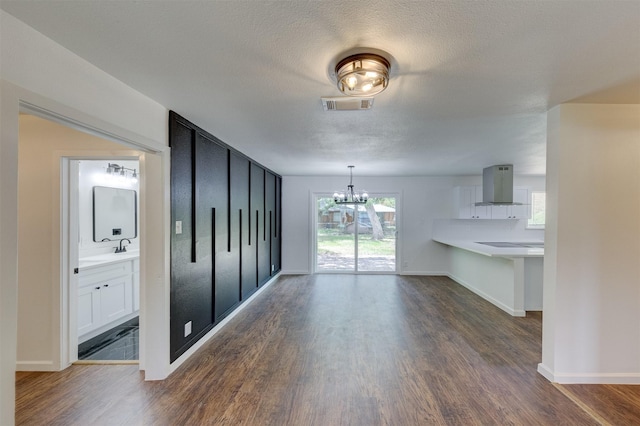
(107, 258)
(486, 250)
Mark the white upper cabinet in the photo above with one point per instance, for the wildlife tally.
(465, 198)
(521, 195)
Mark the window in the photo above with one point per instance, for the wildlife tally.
(356, 238)
(537, 219)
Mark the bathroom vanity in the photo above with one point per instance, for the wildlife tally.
(108, 292)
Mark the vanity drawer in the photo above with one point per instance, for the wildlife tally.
(103, 273)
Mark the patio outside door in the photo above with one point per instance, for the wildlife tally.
(356, 238)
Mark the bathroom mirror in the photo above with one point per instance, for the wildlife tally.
(114, 214)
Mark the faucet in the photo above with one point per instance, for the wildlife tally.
(122, 249)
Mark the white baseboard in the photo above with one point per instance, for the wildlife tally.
(189, 352)
(499, 304)
(35, 366)
(545, 372)
(589, 378)
(533, 309)
(417, 273)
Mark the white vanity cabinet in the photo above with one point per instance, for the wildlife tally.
(105, 296)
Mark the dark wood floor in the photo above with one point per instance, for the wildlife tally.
(341, 350)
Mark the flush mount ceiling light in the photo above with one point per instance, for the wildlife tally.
(350, 197)
(363, 74)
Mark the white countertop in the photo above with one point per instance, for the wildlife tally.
(107, 258)
(486, 250)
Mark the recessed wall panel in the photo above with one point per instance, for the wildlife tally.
(227, 241)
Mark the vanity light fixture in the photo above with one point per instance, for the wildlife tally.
(350, 197)
(121, 172)
(363, 74)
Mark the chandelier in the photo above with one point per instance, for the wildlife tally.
(364, 74)
(350, 197)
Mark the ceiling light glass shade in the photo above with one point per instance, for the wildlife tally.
(364, 74)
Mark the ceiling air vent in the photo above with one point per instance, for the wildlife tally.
(346, 103)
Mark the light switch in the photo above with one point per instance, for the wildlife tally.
(187, 329)
(178, 227)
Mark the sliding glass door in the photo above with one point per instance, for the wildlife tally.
(356, 238)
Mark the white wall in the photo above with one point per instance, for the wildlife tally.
(591, 323)
(424, 201)
(499, 280)
(37, 72)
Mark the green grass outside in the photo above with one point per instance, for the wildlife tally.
(343, 244)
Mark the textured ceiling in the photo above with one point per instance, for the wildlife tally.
(470, 82)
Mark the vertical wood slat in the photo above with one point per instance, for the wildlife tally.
(264, 205)
(249, 210)
(275, 191)
(240, 255)
(270, 242)
(257, 248)
(229, 201)
(213, 265)
(194, 194)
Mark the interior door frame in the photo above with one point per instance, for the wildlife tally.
(154, 158)
(314, 235)
(69, 215)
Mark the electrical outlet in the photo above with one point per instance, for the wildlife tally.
(178, 227)
(187, 329)
(273, 268)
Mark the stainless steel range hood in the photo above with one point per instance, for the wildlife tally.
(497, 186)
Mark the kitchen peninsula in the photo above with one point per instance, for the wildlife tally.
(505, 273)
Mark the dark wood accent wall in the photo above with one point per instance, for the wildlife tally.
(229, 208)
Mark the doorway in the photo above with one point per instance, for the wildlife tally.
(104, 198)
(356, 238)
(47, 300)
